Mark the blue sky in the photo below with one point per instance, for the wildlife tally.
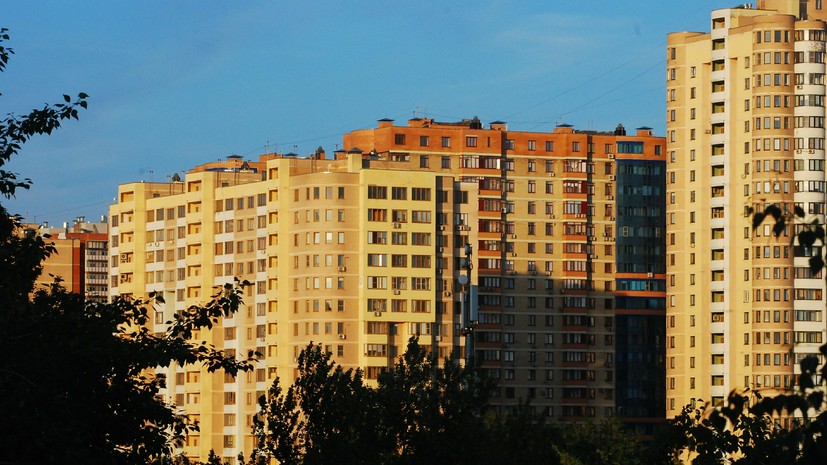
(173, 84)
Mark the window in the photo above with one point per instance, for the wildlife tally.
(423, 141)
(399, 193)
(420, 193)
(399, 139)
(377, 214)
(377, 192)
(471, 141)
(446, 141)
(421, 216)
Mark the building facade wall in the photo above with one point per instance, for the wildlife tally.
(360, 251)
(745, 131)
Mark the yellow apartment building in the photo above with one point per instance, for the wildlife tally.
(361, 250)
(745, 130)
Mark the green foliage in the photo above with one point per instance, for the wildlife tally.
(76, 381)
(428, 410)
(324, 417)
(600, 444)
(519, 437)
(420, 411)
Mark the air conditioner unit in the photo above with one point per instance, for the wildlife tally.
(797, 150)
(439, 271)
(812, 151)
(551, 216)
(442, 227)
(377, 313)
(447, 293)
(708, 131)
(592, 238)
(440, 249)
(611, 156)
(397, 225)
(611, 177)
(437, 338)
(548, 273)
(611, 218)
(650, 275)
(610, 197)
(459, 227)
(124, 257)
(342, 269)
(343, 336)
(551, 175)
(513, 236)
(396, 292)
(513, 254)
(799, 86)
(592, 256)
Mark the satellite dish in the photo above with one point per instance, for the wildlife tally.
(463, 279)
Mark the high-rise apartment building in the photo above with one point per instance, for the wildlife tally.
(745, 130)
(360, 251)
(81, 257)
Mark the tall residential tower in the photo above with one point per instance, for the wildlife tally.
(745, 130)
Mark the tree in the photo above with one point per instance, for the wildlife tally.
(605, 443)
(76, 379)
(430, 413)
(327, 416)
(519, 436)
(419, 413)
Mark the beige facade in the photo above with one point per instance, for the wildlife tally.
(745, 130)
(81, 257)
(360, 251)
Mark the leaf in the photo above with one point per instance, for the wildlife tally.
(809, 364)
(806, 238)
(816, 398)
(67, 98)
(778, 228)
(775, 211)
(799, 212)
(757, 220)
(816, 264)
